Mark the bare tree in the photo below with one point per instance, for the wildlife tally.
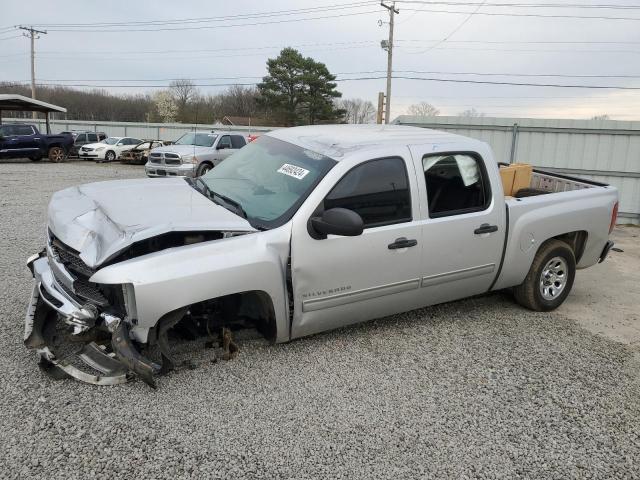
(601, 117)
(423, 109)
(239, 101)
(471, 113)
(183, 91)
(357, 110)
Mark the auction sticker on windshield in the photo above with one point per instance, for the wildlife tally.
(293, 171)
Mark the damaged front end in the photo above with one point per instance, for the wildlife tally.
(84, 330)
(76, 330)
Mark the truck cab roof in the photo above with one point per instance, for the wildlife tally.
(336, 141)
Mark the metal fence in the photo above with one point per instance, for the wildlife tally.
(145, 131)
(603, 150)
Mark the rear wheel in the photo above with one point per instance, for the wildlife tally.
(550, 277)
(56, 154)
(203, 169)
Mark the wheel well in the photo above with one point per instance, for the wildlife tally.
(54, 145)
(576, 240)
(243, 310)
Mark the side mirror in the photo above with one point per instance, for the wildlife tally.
(336, 221)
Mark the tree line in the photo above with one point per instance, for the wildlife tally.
(297, 90)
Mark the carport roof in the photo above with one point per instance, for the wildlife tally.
(19, 102)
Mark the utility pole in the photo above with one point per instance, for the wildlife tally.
(380, 111)
(388, 46)
(33, 35)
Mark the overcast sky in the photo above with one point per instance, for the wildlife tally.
(218, 52)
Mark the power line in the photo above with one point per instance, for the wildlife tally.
(246, 16)
(399, 77)
(533, 42)
(537, 15)
(527, 5)
(455, 30)
(164, 29)
(487, 82)
(431, 72)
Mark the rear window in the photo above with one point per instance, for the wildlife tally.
(238, 141)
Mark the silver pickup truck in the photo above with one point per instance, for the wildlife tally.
(193, 154)
(303, 230)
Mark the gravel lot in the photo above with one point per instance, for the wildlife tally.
(474, 389)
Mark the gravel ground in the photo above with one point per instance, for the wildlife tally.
(473, 389)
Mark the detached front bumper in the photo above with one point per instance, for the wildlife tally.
(110, 362)
(160, 170)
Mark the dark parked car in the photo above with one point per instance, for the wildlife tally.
(83, 137)
(25, 141)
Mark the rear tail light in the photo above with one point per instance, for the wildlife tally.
(614, 217)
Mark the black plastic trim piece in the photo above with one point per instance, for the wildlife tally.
(504, 248)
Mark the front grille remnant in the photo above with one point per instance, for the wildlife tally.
(70, 259)
(83, 289)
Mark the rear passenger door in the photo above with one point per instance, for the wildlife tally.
(463, 226)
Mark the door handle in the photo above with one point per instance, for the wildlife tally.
(485, 228)
(402, 242)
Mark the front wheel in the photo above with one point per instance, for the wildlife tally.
(203, 168)
(550, 278)
(56, 154)
(110, 156)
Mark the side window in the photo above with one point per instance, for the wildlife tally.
(92, 137)
(81, 138)
(225, 142)
(377, 190)
(102, 136)
(456, 184)
(23, 130)
(238, 141)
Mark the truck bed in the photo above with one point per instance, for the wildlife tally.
(543, 182)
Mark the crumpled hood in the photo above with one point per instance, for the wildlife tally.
(101, 219)
(185, 150)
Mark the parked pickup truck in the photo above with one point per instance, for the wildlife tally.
(303, 230)
(193, 154)
(25, 141)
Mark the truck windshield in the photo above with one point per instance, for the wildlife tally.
(197, 139)
(269, 179)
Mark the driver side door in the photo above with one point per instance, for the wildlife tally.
(341, 280)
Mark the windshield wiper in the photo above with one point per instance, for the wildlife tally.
(212, 195)
(239, 210)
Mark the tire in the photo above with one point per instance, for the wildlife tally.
(35, 158)
(56, 154)
(110, 156)
(550, 278)
(203, 168)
